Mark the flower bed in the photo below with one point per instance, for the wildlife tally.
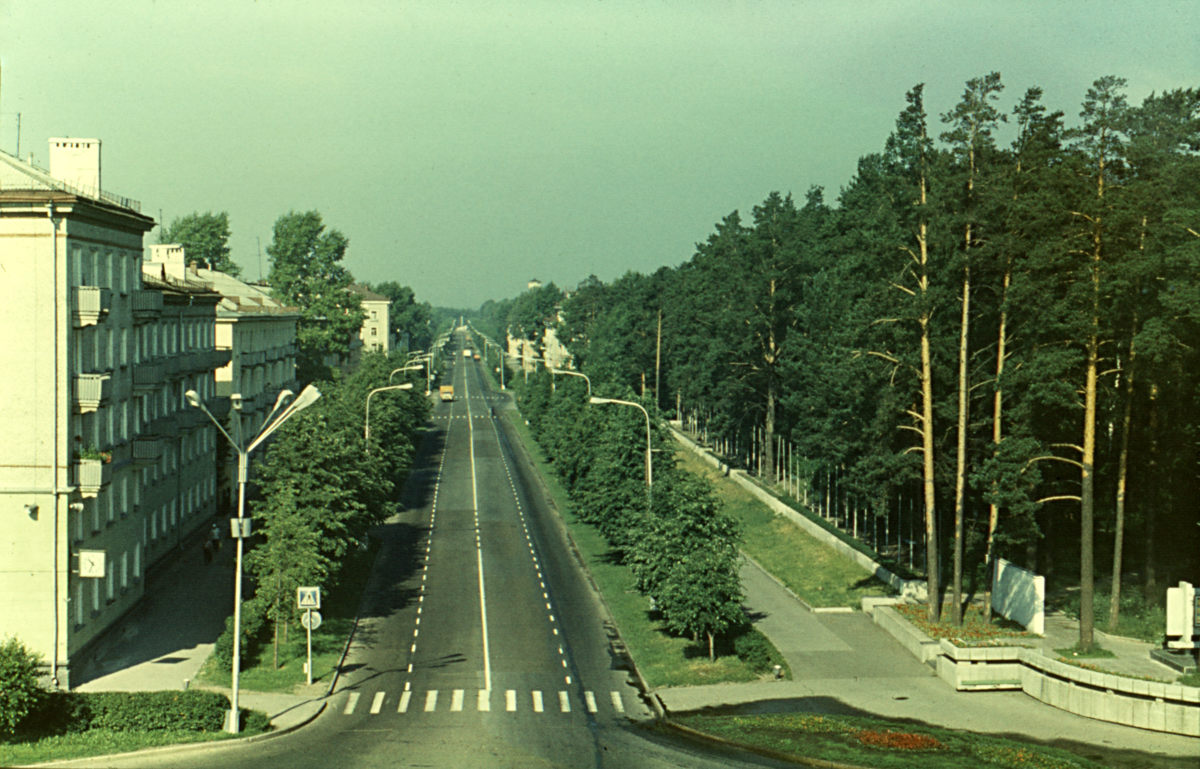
(974, 631)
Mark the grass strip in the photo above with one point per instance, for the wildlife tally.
(97, 742)
(812, 570)
(868, 742)
(339, 607)
(664, 659)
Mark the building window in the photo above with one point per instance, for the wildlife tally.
(125, 570)
(95, 595)
(79, 602)
(110, 579)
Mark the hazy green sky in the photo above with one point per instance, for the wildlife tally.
(466, 147)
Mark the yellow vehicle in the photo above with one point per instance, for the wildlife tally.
(447, 392)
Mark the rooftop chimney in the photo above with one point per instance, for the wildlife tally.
(76, 162)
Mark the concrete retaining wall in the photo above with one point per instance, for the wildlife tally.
(1150, 705)
(912, 589)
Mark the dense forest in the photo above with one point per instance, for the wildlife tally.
(1002, 339)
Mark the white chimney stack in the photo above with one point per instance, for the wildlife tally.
(76, 162)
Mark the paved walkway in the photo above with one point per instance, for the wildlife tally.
(162, 642)
(842, 663)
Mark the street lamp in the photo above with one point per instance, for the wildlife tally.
(574, 373)
(649, 465)
(367, 420)
(307, 397)
(406, 368)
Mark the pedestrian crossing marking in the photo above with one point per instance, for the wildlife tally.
(458, 699)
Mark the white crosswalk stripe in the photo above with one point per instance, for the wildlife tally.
(458, 699)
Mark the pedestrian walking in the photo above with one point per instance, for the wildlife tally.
(216, 537)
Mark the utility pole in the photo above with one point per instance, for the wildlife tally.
(657, 358)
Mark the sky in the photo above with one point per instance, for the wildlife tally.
(465, 148)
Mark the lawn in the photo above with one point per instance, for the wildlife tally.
(810, 569)
(664, 659)
(339, 609)
(869, 742)
(97, 742)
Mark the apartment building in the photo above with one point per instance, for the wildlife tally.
(106, 470)
(257, 332)
(376, 330)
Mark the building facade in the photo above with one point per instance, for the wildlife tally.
(259, 336)
(376, 331)
(106, 468)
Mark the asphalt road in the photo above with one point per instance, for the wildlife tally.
(481, 642)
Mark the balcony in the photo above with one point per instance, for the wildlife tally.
(147, 305)
(148, 376)
(163, 427)
(147, 449)
(217, 359)
(91, 475)
(90, 391)
(89, 305)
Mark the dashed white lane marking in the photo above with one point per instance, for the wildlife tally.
(377, 704)
(431, 700)
(484, 704)
(590, 699)
(404, 698)
(617, 703)
(510, 700)
(564, 703)
(456, 701)
(537, 702)
(351, 703)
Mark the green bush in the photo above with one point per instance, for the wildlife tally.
(20, 690)
(254, 628)
(193, 710)
(755, 650)
(255, 721)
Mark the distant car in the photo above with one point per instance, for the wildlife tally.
(476, 356)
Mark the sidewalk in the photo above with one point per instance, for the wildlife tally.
(162, 643)
(843, 664)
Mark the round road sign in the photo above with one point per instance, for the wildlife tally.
(310, 620)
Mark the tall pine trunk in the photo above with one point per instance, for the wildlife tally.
(1114, 607)
(997, 436)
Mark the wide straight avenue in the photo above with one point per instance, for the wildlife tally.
(480, 642)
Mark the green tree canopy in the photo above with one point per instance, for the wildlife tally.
(205, 238)
(307, 272)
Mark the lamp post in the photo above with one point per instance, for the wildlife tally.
(307, 397)
(406, 368)
(575, 373)
(649, 464)
(425, 358)
(367, 419)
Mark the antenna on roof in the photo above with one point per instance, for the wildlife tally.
(259, 239)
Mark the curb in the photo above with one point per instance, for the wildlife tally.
(767, 752)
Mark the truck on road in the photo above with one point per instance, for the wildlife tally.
(447, 392)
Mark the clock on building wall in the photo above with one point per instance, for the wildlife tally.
(91, 563)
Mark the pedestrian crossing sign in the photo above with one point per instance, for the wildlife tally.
(308, 598)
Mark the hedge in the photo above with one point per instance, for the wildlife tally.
(193, 710)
